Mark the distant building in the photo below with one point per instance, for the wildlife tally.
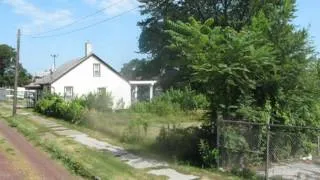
(89, 74)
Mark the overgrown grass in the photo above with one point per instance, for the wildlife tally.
(116, 124)
(144, 147)
(82, 161)
(142, 132)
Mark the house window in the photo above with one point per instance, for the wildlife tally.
(102, 90)
(96, 70)
(68, 92)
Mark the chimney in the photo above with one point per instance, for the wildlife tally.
(88, 48)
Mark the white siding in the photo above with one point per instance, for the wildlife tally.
(83, 82)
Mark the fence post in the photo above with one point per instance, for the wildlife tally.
(218, 141)
(267, 152)
(318, 145)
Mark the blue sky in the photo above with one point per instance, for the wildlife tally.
(115, 41)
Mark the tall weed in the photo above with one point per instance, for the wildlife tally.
(172, 102)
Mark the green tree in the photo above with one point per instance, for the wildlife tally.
(264, 72)
(229, 64)
(168, 63)
(267, 63)
(135, 69)
(7, 68)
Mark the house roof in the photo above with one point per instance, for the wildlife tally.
(68, 66)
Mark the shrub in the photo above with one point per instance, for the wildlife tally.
(49, 105)
(53, 105)
(163, 108)
(171, 102)
(208, 154)
(99, 101)
(74, 111)
(180, 143)
(136, 131)
(186, 98)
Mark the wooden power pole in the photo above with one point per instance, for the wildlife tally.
(16, 77)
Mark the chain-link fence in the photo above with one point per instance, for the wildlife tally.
(269, 151)
(294, 152)
(242, 146)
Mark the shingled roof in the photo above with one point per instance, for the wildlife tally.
(60, 71)
(68, 66)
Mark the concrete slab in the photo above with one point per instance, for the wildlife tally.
(59, 128)
(90, 142)
(142, 163)
(52, 125)
(45, 122)
(118, 153)
(68, 133)
(24, 113)
(172, 174)
(128, 157)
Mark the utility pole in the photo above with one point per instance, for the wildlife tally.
(16, 77)
(54, 60)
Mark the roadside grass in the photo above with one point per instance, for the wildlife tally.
(110, 127)
(142, 148)
(129, 131)
(80, 160)
(114, 126)
(17, 160)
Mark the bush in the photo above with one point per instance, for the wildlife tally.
(136, 131)
(74, 111)
(208, 154)
(53, 105)
(99, 101)
(187, 99)
(156, 106)
(49, 105)
(180, 143)
(172, 102)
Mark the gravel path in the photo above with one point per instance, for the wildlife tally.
(46, 168)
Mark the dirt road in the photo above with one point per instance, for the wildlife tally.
(40, 162)
(7, 171)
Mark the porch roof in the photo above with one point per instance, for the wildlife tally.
(151, 82)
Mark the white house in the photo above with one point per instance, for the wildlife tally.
(90, 74)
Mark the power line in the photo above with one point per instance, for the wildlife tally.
(75, 21)
(88, 26)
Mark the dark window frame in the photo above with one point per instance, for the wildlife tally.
(65, 90)
(98, 74)
(102, 90)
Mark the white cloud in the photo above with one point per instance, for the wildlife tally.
(113, 7)
(40, 20)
